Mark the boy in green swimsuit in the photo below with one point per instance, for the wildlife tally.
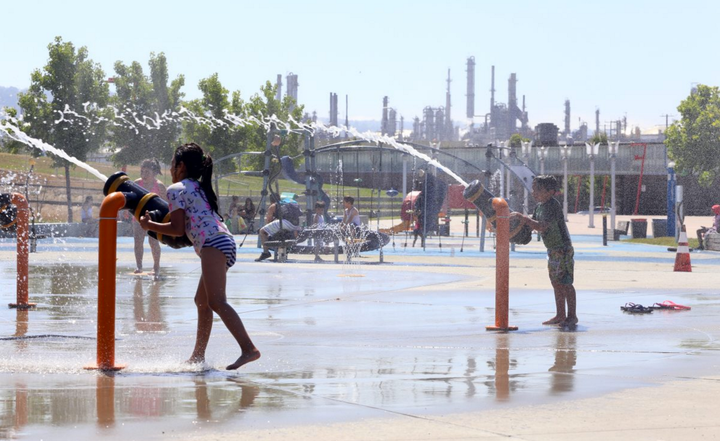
(549, 220)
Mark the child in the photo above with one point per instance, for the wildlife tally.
(702, 232)
(193, 211)
(352, 215)
(149, 170)
(319, 217)
(319, 222)
(86, 216)
(548, 219)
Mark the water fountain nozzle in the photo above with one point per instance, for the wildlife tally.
(140, 201)
(478, 195)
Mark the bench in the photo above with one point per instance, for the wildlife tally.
(280, 247)
(712, 241)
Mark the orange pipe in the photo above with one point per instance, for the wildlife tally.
(23, 253)
(502, 266)
(107, 262)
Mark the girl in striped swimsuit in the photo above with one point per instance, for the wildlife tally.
(194, 211)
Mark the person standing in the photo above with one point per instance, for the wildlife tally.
(232, 215)
(149, 170)
(247, 212)
(193, 209)
(549, 220)
(90, 224)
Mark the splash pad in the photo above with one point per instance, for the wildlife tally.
(395, 341)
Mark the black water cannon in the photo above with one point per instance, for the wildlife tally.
(8, 212)
(520, 233)
(140, 201)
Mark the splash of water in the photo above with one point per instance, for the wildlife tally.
(16, 134)
(129, 119)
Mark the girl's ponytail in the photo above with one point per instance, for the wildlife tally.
(206, 182)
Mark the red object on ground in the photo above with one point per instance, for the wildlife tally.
(667, 304)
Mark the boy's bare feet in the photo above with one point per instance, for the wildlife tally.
(554, 321)
(570, 321)
(245, 358)
(195, 360)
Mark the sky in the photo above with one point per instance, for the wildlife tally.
(631, 58)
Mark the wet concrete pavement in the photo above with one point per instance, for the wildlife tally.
(399, 346)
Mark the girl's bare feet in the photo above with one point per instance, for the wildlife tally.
(554, 321)
(244, 359)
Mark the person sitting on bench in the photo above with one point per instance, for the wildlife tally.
(702, 232)
(281, 216)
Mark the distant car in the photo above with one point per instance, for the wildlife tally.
(596, 210)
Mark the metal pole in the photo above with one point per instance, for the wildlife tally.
(613, 156)
(591, 211)
(425, 210)
(565, 186)
(22, 250)
(502, 267)
(671, 200)
(266, 180)
(404, 175)
(679, 212)
(310, 193)
(107, 252)
(502, 170)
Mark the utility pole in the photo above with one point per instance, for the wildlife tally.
(667, 120)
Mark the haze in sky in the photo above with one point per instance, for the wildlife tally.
(628, 58)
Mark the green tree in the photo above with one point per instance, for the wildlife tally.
(221, 137)
(216, 135)
(516, 140)
(694, 140)
(599, 138)
(143, 101)
(8, 144)
(265, 104)
(69, 80)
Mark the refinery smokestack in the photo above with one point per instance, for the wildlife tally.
(492, 89)
(470, 112)
(448, 120)
(292, 88)
(597, 121)
(567, 118)
(278, 94)
(384, 123)
(333, 109)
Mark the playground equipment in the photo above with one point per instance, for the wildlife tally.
(14, 212)
(328, 239)
(502, 266)
(107, 251)
(476, 193)
(121, 193)
(140, 201)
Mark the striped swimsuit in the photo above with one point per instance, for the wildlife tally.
(224, 243)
